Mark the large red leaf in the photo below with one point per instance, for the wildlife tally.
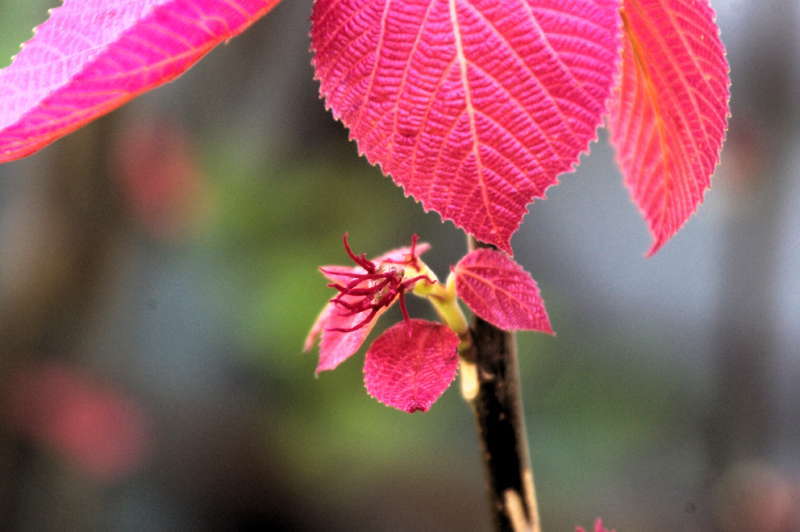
(473, 106)
(501, 292)
(92, 56)
(670, 111)
(411, 364)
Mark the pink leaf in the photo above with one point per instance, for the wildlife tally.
(92, 56)
(474, 107)
(411, 364)
(319, 325)
(337, 346)
(670, 111)
(501, 292)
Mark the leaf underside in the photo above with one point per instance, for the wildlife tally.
(500, 291)
(670, 111)
(91, 56)
(474, 107)
(410, 365)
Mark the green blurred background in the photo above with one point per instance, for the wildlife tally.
(158, 277)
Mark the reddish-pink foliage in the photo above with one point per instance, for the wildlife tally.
(501, 292)
(411, 364)
(92, 56)
(598, 527)
(89, 424)
(375, 288)
(342, 330)
(670, 111)
(474, 107)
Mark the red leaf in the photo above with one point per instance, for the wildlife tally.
(410, 365)
(92, 56)
(474, 107)
(501, 292)
(337, 346)
(316, 329)
(670, 111)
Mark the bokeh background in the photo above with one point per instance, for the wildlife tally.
(158, 275)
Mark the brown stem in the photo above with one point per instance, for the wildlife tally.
(491, 386)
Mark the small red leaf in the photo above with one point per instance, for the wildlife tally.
(337, 346)
(501, 292)
(474, 107)
(316, 329)
(410, 365)
(670, 111)
(92, 56)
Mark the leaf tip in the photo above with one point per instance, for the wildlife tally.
(680, 115)
(657, 244)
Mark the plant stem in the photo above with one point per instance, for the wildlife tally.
(490, 384)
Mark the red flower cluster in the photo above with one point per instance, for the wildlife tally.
(412, 363)
(376, 287)
(366, 291)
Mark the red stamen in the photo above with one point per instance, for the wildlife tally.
(412, 259)
(404, 310)
(362, 259)
(376, 288)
